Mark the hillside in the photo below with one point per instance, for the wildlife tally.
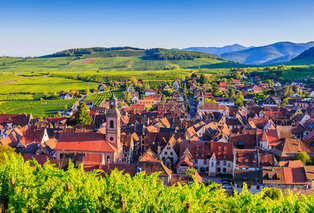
(217, 50)
(114, 59)
(306, 57)
(269, 54)
(153, 54)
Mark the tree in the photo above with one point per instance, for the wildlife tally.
(239, 99)
(304, 157)
(87, 91)
(82, 116)
(284, 102)
(127, 97)
(232, 93)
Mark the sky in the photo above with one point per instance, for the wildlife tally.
(39, 27)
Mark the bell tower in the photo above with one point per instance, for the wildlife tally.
(113, 123)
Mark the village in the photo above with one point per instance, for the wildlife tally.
(244, 129)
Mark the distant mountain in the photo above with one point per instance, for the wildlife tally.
(269, 54)
(306, 57)
(216, 50)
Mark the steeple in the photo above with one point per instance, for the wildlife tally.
(113, 124)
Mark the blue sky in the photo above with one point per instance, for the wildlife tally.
(37, 27)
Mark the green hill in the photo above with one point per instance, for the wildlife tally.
(114, 59)
(305, 58)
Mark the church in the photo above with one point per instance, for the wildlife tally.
(92, 147)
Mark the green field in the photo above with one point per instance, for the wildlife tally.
(45, 84)
(35, 107)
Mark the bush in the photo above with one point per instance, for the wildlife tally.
(47, 189)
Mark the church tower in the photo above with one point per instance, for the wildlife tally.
(113, 124)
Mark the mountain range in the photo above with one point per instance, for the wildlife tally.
(217, 50)
(263, 55)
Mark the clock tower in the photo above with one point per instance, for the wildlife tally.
(113, 124)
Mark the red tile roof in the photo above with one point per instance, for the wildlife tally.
(84, 141)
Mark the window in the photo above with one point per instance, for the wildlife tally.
(171, 153)
(111, 138)
(240, 186)
(108, 159)
(249, 186)
(111, 124)
(166, 153)
(218, 162)
(196, 161)
(212, 164)
(224, 170)
(258, 187)
(225, 163)
(218, 169)
(229, 165)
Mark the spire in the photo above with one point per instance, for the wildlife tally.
(113, 96)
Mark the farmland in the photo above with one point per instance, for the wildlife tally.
(23, 81)
(36, 107)
(99, 97)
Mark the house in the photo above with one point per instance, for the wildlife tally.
(252, 178)
(156, 97)
(65, 95)
(127, 144)
(272, 101)
(147, 101)
(169, 155)
(150, 92)
(89, 104)
(256, 89)
(223, 85)
(165, 87)
(277, 85)
(150, 163)
(286, 177)
(236, 81)
(130, 89)
(224, 101)
(101, 87)
(289, 148)
(212, 107)
(176, 84)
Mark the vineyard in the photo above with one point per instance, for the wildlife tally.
(99, 97)
(26, 188)
(45, 84)
(35, 107)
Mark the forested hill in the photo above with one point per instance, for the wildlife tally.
(306, 57)
(150, 54)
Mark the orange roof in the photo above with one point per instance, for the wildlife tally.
(186, 160)
(84, 141)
